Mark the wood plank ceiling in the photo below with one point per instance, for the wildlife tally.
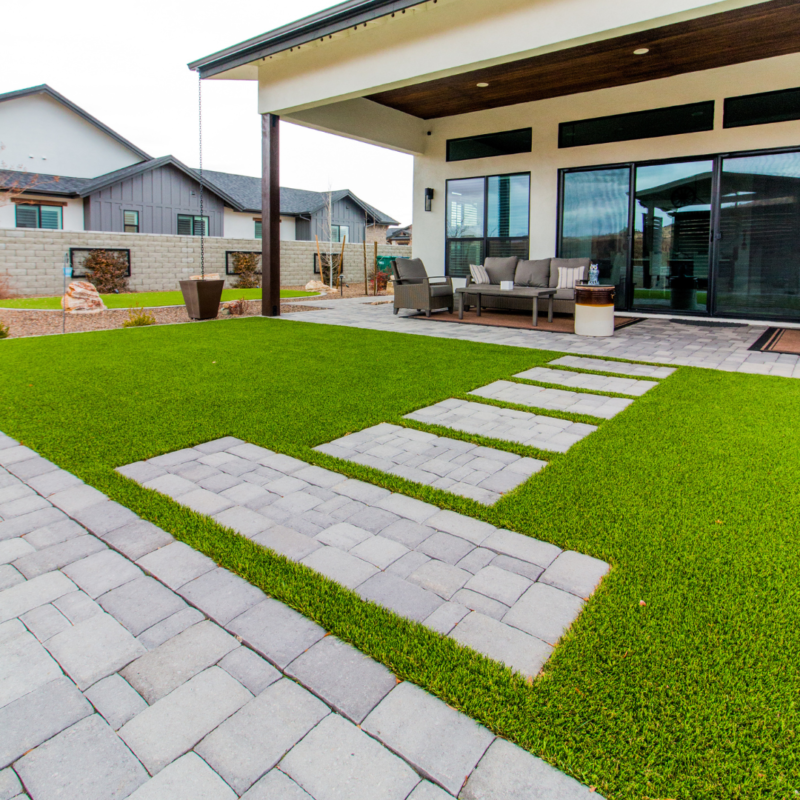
(732, 37)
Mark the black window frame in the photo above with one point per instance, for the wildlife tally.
(125, 225)
(527, 147)
(229, 253)
(73, 250)
(258, 228)
(729, 108)
(39, 206)
(707, 106)
(717, 159)
(194, 218)
(485, 240)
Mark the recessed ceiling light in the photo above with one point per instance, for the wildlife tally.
(641, 51)
(481, 85)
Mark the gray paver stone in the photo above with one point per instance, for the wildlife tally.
(140, 604)
(343, 535)
(45, 621)
(75, 499)
(276, 631)
(373, 519)
(10, 787)
(523, 547)
(344, 568)
(58, 556)
(104, 517)
(287, 542)
(178, 721)
(243, 520)
(494, 582)
(138, 539)
(188, 778)
(576, 573)
(221, 595)
(94, 649)
(379, 551)
(407, 564)
(346, 679)
(31, 467)
(275, 785)
(545, 612)
(176, 564)
(407, 532)
(102, 572)
(37, 716)
(337, 761)
(204, 502)
(476, 560)
(54, 533)
(116, 700)
(22, 506)
(473, 530)
(157, 673)
(245, 494)
(480, 602)
(319, 476)
(252, 671)
(84, 762)
(9, 577)
(514, 648)
(515, 565)
(77, 607)
(429, 791)
(12, 549)
(508, 772)
(218, 445)
(398, 595)
(255, 738)
(19, 526)
(446, 617)
(446, 547)
(140, 471)
(33, 593)
(24, 666)
(408, 507)
(443, 579)
(438, 741)
(363, 492)
(176, 623)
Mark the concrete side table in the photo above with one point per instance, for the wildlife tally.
(594, 310)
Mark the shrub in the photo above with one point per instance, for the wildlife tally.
(138, 317)
(4, 332)
(107, 271)
(378, 280)
(245, 265)
(5, 289)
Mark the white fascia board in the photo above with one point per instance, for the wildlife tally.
(451, 37)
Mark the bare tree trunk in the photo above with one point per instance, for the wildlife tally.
(341, 267)
(319, 261)
(366, 285)
(375, 268)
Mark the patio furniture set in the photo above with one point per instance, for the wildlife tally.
(511, 284)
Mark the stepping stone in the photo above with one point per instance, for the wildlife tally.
(523, 394)
(616, 367)
(521, 427)
(188, 778)
(583, 380)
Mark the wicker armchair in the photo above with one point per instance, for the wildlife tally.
(414, 289)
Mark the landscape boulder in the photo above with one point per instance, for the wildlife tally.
(316, 286)
(82, 298)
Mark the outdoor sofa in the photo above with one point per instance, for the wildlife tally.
(414, 289)
(542, 272)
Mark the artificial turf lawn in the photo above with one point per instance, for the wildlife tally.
(691, 493)
(143, 299)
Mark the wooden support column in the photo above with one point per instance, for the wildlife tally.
(270, 216)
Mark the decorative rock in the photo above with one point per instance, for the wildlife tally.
(315, 286)
(82, 298)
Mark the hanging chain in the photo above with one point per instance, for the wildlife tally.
(202, 218)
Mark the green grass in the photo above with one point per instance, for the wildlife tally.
(144, 299)
(692, 494)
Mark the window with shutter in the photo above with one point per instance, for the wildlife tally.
(131, 221)
(199, 226)
(258, 229)
(50, 217)
(184, 225)
(27, 216)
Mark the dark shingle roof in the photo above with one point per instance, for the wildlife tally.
(44, 184)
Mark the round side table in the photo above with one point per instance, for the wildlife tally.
(594, 310)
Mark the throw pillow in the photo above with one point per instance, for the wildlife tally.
(567, 277)
(478, 273)
(569, 263)
(533, 273)
(500, 269)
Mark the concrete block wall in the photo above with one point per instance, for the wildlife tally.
(31, 259)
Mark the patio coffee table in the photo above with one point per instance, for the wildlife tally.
(482, 290)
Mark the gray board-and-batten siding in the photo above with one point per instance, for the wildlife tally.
(343, 212)
(159, 195)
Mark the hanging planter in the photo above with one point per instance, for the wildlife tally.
(202, 293)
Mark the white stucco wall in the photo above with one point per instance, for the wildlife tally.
(71, 213)
(241, 225)
(39, 134)
(432, 170)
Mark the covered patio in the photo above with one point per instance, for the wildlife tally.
(542, 130)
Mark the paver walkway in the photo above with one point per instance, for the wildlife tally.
(507, 424)
(584, 380)
(465, 469)
(506, 595)
(132, 666)
(657, 340)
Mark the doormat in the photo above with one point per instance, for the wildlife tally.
(704, 324)
(778, 340)
(518, 319)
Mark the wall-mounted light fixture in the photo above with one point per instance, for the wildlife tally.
(428, 199)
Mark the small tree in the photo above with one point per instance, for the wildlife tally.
(108, 271)
(245, 266)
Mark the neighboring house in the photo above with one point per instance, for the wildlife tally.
(96, 180)
(399, 235)
(662, 140)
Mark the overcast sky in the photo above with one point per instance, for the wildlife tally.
(126, 65)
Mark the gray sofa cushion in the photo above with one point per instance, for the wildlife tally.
(569, 263)
(410, 270)
(564, 294)
(533, 273)
(501, 269)
(442, 290)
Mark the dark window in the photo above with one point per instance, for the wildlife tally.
(77, 255)
(490, 144)
(37, 216)
(258, 229)
(486, 216)
(192, 226)
(759, 109)
(339, 232)
(131, 221)
(690, 118)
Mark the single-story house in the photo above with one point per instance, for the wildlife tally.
(399, 235)
(67, 170)
(660, 140)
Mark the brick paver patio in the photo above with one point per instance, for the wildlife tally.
(132, 666)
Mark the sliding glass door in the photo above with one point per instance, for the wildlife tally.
(759, 247)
